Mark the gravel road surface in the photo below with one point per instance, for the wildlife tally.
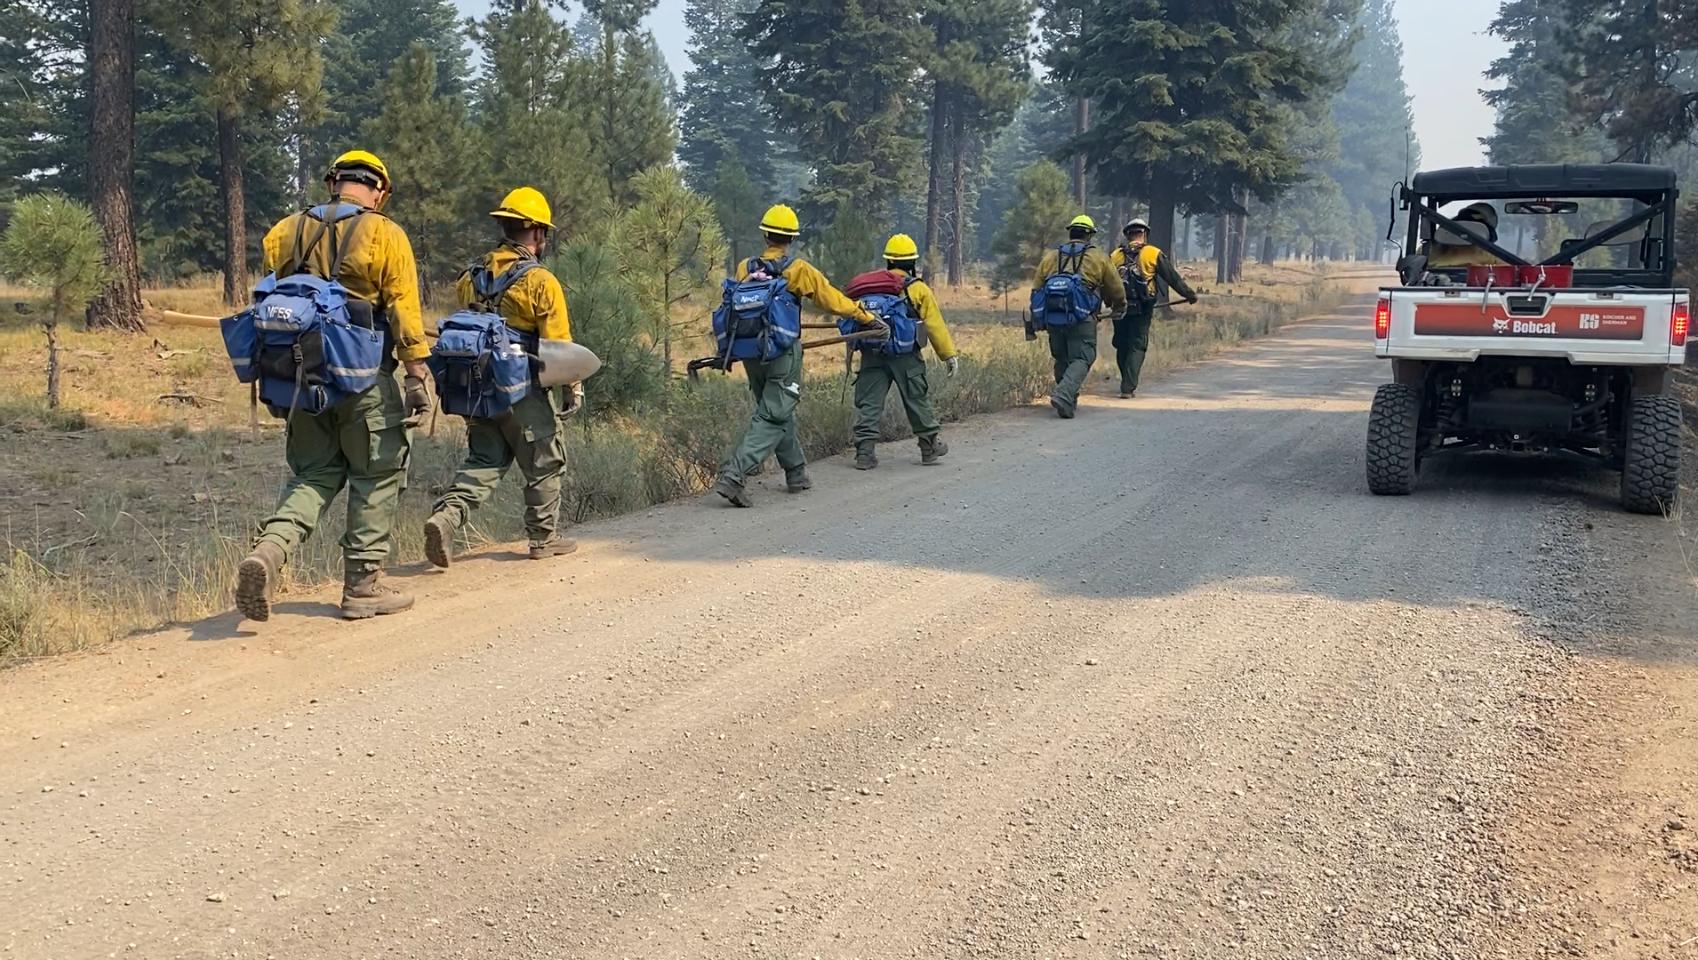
(1161, 681)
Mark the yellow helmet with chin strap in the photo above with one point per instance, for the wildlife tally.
(1084, 222)
(360, 166)
(901, 247)
(526, 204)
(781, 220)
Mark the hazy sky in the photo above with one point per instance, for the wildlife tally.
(1445, 48)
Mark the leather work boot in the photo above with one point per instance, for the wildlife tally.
(552, 547)
(733, 492)
(932, 449)
(865, 458)
(1063, 409)
(256, 580)
(363, 596)
(796, 481)
(439, 540)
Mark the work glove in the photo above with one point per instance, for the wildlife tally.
(416, 401)
(1191, 299)
(882, 328)
(574, 400)
(951, 365)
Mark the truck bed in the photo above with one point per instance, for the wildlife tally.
(1617, 327)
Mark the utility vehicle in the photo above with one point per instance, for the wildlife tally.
(1540, 315)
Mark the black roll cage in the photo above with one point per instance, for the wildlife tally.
(1658, 200)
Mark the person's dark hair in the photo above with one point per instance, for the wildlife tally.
(515, 229)
(778, 239)
(909, 266)
(1078, 233)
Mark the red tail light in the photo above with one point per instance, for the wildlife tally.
(1680, 324)
(1382, 319)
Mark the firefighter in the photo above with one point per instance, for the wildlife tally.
(1143, 267)
(1441, 255)
(777, 384)
(362, 442)
(906, 371)
(1074, 347)
(529, 435)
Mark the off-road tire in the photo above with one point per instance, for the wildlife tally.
(1650, 471)
(1394, 424)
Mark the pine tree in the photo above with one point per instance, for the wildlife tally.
(433, 144)
(71, 276)
(371, 35)
(1195, 119)
(534, 110)
(1534, 120)
(738, 205)
(979, 73)
(1039, 216)
(672, 252)
(632, 116)
(840, 76)
(723, 111)
(1375, 108)
(112, 160)
(1631, 70)
(24, 69)
(260, 55)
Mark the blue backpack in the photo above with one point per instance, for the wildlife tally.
(305, 343)
(482, 366)
(883, 295)
(1065, 299)
(759, 318)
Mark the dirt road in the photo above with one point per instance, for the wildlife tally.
(1160, 681)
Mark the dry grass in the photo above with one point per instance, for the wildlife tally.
(123, 511)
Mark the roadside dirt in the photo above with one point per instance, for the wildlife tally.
(1162, 681)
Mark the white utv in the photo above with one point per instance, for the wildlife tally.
(1496, 347)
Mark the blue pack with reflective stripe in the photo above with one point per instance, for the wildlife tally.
(1065, 298)
(481, 365)
(301, 342)
(884, 294)
(758, 317)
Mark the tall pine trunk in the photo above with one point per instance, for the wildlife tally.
(111, 161)
(1223, 244)
(50, 327)
(1164, 198)
(1081, 126)
(958, 199)
(934, 166)
(235, 209)
(1236, 268)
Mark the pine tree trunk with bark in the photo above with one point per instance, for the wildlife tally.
(235, 212)
(1081, 126)
(111, 163)
(958, 199)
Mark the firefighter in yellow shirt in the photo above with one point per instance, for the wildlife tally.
(529, 434)
(361, 443)
(905, 371)
(1142, 266)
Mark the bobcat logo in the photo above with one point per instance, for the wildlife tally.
(1500, 326)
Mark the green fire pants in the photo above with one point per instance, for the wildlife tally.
(872, 384)
(360, 443)
(777, 388)
(1074, 349)
(528, 435)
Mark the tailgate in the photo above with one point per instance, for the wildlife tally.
(1585, 326)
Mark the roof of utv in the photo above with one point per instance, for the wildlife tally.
(1545, 180)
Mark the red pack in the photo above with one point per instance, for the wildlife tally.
(874, 281)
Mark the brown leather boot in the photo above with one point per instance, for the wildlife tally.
(256, 580)
(932, 449)
(439, 540)
(556, 546)
(363, 596)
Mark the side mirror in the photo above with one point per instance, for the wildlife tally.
(1410, 269)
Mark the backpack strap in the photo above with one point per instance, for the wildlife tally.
(1064, 257)
(489, 289)
(341, 245)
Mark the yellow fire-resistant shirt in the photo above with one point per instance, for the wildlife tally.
(1152, 265)
(1097, 271)
(805, 280)
(535, 303)
(378, 268)
(931, 315)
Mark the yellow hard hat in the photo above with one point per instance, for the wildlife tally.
(781, 220)
(1085, 221)
(527, 204)
(901, 247)
(359, 160)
